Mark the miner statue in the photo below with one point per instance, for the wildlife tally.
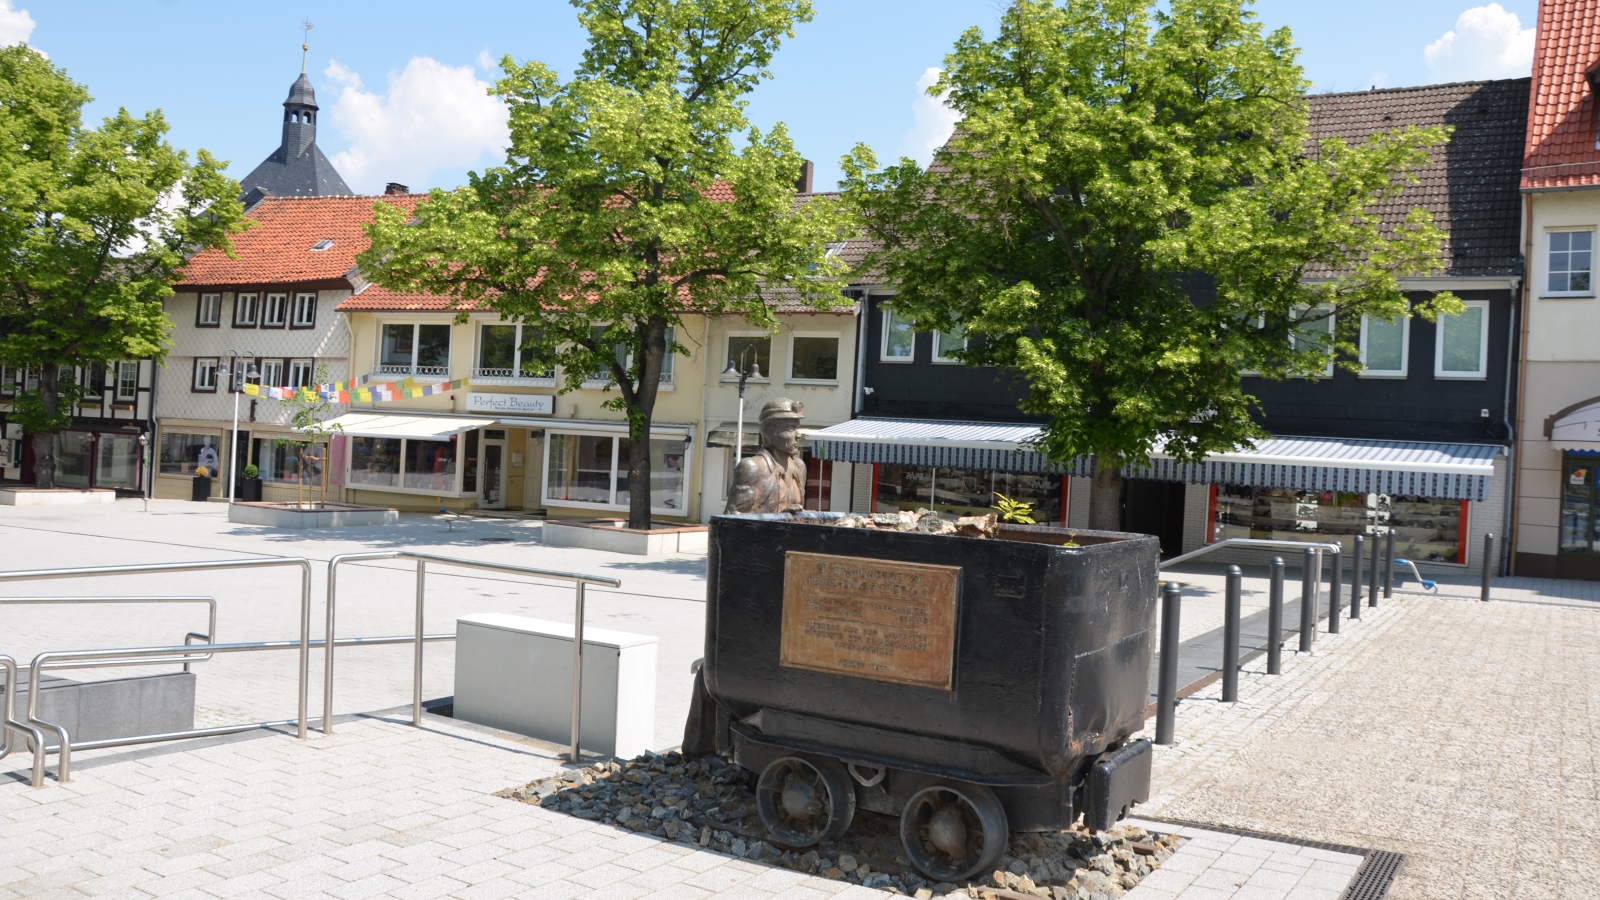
(773, 480)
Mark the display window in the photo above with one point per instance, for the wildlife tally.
(592, 470)
(182, 452)
(280, 464)
(968, 492)
(1578, 484)
(375, 461)
(431, 465)
(1426, 528)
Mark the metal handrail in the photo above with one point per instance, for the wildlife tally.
(1336, 549)
(580, 582)
(83, 659)
(9, 723)
(209, 636)
(209, 565)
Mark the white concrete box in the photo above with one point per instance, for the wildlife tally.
(515, 673)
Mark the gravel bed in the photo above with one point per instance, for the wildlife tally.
(710, 803)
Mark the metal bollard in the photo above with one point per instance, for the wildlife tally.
(1275, 619)
(1336, 580)
(1230, 637)
(1310, 575)
(1372, 578)
(1357, 575)
(1388, 565)
(1488, 564)
(1167, 684)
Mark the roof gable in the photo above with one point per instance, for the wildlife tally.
(1563, 125)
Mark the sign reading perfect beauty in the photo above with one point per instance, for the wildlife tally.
(512, 404)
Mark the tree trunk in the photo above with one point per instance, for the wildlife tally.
(44, 442)
(1105, 502)
(653, 335)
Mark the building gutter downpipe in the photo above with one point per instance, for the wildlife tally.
(1515, 484)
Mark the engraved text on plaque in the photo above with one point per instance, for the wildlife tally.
(888, 621)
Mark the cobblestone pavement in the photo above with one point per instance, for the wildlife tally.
(1217, 866)
(376, 809)
(1461, 734)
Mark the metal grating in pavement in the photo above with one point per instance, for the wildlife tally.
(1376, 875)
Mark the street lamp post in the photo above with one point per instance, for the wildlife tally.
(744, 373)
(144, 473)
(235, 385)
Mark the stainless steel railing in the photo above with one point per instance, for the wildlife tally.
(579, 581)
(1255, 543)
(9, 723)
(209, 636)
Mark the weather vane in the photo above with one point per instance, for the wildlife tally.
(306, 46)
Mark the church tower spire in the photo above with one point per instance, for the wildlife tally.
(298, 167)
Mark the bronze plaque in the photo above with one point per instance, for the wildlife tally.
(888, 621)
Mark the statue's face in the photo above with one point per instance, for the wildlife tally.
(783, 436)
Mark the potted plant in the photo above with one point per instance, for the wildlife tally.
(250, 488)
(202, 485)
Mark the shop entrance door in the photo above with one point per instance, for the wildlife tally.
(1155, 507)
(494, 469)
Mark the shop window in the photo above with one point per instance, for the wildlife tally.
(899, 338)
(246, 307)
(117, 460)
(593, 470)
(74, 455)
(967, 492)
(205, 374)
(1571, 264)
(469, 471)
(814, 358)
(1426, 528)
(430, 465)
(305, 310)
(947, 343)
(749, 355)
(208, 313)
(375, 461)
(415, 349)
(1462, 345)
(1385, 347)
(275, 312)
(1578, 496)
(280, 463)
(819, 484)
(127, 381)
(182, 452)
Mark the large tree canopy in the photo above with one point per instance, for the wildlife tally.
(1107, 147)
(94, 225)
(634, 193)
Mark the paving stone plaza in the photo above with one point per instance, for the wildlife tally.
(1457, 733)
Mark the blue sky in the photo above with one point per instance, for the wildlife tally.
(400, 82)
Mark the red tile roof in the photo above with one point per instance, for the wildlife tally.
(278, 249)
(380, 299)
(1562, 123)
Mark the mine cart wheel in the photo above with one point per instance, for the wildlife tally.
(805, 799)
(953, 831)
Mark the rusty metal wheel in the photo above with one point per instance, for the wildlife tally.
(952, 832)
(804, 800)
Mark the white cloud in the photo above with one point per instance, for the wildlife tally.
(1378, 80)
(935, 121)
(1487, 42)
(16, 26)
(486, 62)
(432, 119)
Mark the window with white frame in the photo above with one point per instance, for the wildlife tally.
(272, 373)
(205, 374)
(91, 377)
(602, 377)
(127, 373)
(750, 355)
(949, 342)
(1385, 346)
(305, 310)
(500, 354)
(302, 373)
(209, 312)
(899, 338)
(1313, 332)
(275, 311)
(412, 348)
(1570, 264)
(246, 310)
(8, 381)
(591, 470)
(1462, 343)
(814, 358)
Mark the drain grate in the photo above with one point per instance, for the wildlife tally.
(488, 540)
(1376, 875)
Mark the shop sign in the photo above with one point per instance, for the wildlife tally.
(512, 404)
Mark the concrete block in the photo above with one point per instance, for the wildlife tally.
(117, 707)
(611, 536)
(334, 515)
(56, 496)
(515, 673)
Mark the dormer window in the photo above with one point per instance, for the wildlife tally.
(321, 245)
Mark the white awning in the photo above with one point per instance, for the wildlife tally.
(1577, 430)
(421, 428)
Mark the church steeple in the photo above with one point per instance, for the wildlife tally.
(297, 168)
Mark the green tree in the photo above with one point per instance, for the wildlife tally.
(308, 411)
(94, 224)
(1106, 146)
(634, 193)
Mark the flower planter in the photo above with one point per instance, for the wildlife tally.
(250, 490)
(200, 492)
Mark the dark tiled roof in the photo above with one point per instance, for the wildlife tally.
(1472, 184)
(1562, 121)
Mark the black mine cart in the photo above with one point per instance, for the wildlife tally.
(970, 686)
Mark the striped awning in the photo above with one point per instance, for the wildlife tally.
(1405, 468)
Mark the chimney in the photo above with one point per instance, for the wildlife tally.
(803, 183)
(394, 187)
